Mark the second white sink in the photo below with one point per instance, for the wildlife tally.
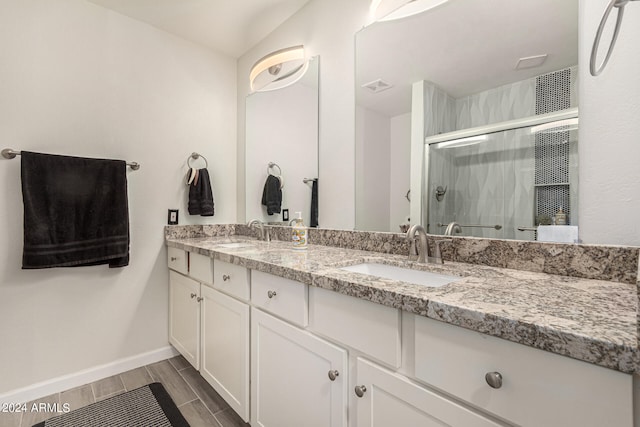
(417, 277)
(235, 245)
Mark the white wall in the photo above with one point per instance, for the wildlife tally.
(326, 28)
(373, 166)
(400, 170)
(77, 79)
(609, 192)
(383, 157)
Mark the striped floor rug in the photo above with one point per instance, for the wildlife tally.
(148, 406)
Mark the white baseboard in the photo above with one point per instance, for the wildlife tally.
(86, 376)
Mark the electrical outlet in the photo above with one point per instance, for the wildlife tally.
(285, 214)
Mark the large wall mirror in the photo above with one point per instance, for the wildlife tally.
(478, 63)
(282, 131)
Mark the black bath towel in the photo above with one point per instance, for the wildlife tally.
(75, 211)
(314, 203)
(272, 194)
(201, 195)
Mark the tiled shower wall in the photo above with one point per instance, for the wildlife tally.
(489, 183)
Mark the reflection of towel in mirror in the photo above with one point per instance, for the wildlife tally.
(272, 195)
(201, 195)
(314, 204)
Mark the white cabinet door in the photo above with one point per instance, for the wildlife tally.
(389, 399)
(184, 317)
(290, 377)
(225, 348)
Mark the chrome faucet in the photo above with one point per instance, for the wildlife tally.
(264, 231)
(453, 227)
(422, 253)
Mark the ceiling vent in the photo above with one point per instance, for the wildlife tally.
(377, 86)
(531, 62)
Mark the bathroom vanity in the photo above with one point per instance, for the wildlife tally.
(292, 338)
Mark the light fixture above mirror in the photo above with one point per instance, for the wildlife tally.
(278, 69)
(389, 10)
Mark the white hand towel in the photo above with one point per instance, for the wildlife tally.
(558, 233)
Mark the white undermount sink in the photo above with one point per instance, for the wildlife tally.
(235, 245)
(417, 277)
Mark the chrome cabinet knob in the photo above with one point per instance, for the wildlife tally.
(199, 299)
(193, 295)
(174, 258)
(494, 379)
(333, 374)
(360, 389)
(226, 277)
(271, 294)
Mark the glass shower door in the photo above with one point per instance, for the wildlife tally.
(503, 184)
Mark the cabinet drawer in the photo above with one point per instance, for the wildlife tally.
(368, 327)
(539, 388)
(231, 279)
(201, 268)
(389, 399)
(178, 260)
(283, 297)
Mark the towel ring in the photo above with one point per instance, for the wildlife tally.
(273, 165)
(620, 4)
(196, 156)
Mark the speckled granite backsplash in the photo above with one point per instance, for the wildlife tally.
(614, 263)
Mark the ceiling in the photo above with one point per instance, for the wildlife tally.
(464, 47)
(231, 27)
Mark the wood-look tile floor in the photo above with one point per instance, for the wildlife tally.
(199, 403)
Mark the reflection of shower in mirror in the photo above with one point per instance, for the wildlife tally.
(440, 192)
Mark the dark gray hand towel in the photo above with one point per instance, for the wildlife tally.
(272, 195)
(314, 203)
(75, 211)
(201, 195)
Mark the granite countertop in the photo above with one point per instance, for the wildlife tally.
(589, 320)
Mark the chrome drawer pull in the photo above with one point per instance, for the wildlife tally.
(226, 277)
(333, 374)
(193, 295)
(271, 294)
(494, 379)
(199, 299)
(360, 389)
(174, 258)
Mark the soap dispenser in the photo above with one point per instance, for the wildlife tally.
(299, 233)
(561, 217)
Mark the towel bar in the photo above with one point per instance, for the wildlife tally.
(9, 153)
(496, 227)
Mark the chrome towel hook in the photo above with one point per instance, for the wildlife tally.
(620, 4)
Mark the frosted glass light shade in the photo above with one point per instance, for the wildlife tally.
(388, 10)
(278, 69)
